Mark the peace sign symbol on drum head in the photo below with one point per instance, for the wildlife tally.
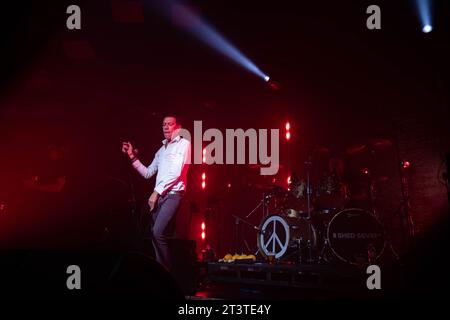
(274, 236)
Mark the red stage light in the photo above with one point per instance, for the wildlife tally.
(203, 185)
(288, 135)
(288, 180)
(229, 185)
(274, 180)
(406, 164)
(365, 171)
(288, 126)
(203, 176)
(203, 235)
(203, 226)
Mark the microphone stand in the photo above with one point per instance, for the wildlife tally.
(308, 164)
(237, 220)
(133, 204)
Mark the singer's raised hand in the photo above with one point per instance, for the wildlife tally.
(127, 148)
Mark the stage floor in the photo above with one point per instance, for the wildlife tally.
(282, 282)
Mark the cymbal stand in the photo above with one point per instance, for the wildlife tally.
(263, 203)
(326, 246)
(237, 221)
(308, 164)
(371, 192)
(372, 198)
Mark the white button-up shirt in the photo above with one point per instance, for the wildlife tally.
(171, 162)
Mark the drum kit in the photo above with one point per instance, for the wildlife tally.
(317, 222)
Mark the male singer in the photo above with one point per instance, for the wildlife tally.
(171, 162)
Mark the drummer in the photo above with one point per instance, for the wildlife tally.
(331, 192)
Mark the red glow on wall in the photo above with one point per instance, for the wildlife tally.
(127, 11)
(288, 132)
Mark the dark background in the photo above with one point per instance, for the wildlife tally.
(341, 84)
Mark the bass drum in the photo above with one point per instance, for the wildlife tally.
(282, 237)
(355, 236)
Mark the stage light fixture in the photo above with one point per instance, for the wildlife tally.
(406, 164)
(427, 28)
(288, 135)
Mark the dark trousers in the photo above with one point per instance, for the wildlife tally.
(164, 227)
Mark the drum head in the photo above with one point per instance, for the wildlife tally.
(355, 235)
(279, 234)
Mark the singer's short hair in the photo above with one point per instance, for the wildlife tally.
(177, 118)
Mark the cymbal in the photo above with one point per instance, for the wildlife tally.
(381, 179)
(321, 150)
(277, 189)
(363, 180)
(269, 188)
(378, 144)
(356, 149)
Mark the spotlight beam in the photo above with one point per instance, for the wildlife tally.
(424, 11)
(211, 37)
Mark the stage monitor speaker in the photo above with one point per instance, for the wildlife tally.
(185, 267)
